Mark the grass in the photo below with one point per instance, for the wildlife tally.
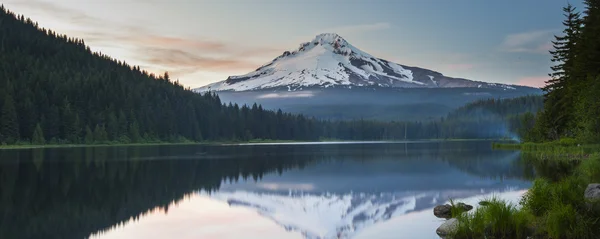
(498, 219)
(554, 207)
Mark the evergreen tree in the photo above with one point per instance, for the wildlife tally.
(588, 62)
(38, 135)
(113, 127)
(75, 134)
(9, 122)
(588, 74)
(52, 123)
(100, 135)
(89, 135)
(123, 124)
(559, 100)
(134, 132)
(68, 122)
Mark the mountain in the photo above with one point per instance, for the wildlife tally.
(330, 61)
(328, 78)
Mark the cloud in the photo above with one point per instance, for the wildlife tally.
(358, 29)
(57, 11)
(535, 81)
(179, 54)
(176, 58)
(528, 42)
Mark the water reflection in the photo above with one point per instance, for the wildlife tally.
(316, 190)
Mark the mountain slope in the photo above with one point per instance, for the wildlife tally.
(330, 61)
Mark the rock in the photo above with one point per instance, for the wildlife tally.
(464, 207)
(443, 211)
(592, 192)
(447, 228)
(484, 203)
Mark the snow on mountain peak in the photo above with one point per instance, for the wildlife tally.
(326, 216)
(329, 60)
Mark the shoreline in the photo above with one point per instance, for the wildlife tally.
(248, 142)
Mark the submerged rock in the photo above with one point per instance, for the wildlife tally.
(443, 211)
(447, 228)
(592, 192)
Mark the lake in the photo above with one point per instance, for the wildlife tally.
(325, 190)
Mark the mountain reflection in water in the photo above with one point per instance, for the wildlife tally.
(318, 191)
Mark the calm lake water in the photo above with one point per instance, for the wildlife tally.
(362, 190)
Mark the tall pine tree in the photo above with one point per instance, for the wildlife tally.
(559, 105)
(587, 68)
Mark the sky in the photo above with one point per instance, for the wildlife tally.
(203, 41)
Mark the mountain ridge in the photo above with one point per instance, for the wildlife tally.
(331, 61)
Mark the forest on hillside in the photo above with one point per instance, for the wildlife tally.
(55, 90)
(571, 97)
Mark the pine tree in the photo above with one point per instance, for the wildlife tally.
(113, 127)
(69, 126)
(134, 132)
(89, 135)
(559, 100)
(588, 63)
(52, 123)
(9, 122)
(100, 135)
(75, 134)
(587, 68)
(38, 135)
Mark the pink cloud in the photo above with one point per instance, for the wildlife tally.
(529, 42)
(535, 81)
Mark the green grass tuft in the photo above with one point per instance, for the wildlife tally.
(499, 219)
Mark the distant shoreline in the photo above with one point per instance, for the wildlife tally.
(231, 143)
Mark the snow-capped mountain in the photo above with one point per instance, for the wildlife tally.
(330, 61)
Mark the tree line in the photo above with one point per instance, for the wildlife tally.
(571, 101)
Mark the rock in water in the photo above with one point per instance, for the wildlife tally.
(447, 228)
(592, 192)
(464, 207)
(443, 211)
